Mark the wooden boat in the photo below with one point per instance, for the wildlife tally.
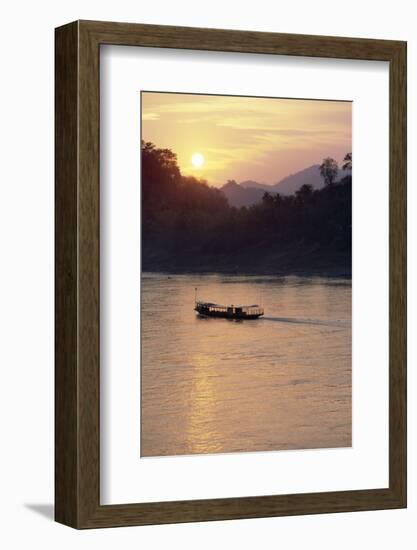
(209, 309)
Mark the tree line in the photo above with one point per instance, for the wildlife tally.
(189, 225)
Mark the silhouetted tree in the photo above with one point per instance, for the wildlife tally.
(305, 193)
(329, 170)
(347, 162)
(268, 199)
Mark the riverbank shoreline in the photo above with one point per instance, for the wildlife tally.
(321, 267)
(333, 273)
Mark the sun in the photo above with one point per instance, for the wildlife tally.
(197, 160)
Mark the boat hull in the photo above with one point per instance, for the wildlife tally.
(226, 315)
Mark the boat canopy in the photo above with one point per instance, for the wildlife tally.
(253, 309)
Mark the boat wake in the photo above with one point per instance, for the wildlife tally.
(319, 322)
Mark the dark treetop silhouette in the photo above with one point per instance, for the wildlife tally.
(188, 226)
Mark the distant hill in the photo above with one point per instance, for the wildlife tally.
(238, 196)
(290, 184)
(250, 184)
(250, 192)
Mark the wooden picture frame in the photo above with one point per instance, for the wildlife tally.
(77, 405)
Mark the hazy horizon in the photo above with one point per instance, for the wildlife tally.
(246, 138)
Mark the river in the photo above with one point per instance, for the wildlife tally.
(283, 381)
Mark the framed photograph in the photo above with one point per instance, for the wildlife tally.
(230, 274)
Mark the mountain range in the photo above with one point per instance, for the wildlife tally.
(250, 192)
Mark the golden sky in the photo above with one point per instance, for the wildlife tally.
(246, 138)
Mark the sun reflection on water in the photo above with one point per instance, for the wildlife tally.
(201, 436)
